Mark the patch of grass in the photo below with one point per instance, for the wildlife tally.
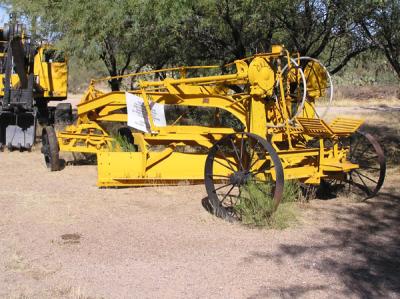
(291, 191)
(121, 144)
(284, 216)
(256, 205)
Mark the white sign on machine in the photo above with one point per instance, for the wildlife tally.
(137, 114)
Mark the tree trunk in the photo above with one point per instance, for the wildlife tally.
(114, 84)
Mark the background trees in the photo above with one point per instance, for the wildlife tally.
(127, 35)
(320, 29)
(380, 24)
(226, 30)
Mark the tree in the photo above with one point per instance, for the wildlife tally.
(226, 30)
(90, 29)
(94, 29)
(128, 35)
(380, 23)
(318, 29)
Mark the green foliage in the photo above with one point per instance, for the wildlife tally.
(111, 31)
(80, 73)
(378, 21)
(121, 143)
(129, 35)
(291, 191)
(223, 31)
(256, 205)
(369, 68)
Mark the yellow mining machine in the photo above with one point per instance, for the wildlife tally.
(31, 75)
(266, 127)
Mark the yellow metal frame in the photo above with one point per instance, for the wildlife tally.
(159, 160)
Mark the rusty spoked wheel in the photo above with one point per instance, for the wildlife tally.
(367, 180)
(50, 149)
(236, 161)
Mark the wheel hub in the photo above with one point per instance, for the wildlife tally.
(238, 178)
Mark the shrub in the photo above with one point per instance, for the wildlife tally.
(256, 206)
(122, 144)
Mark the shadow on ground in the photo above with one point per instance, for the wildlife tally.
(389, 138)
(362, 251)
(76, 159)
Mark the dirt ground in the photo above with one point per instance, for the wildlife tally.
(62, 237)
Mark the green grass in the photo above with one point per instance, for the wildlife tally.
(256, 205)
(121, 144)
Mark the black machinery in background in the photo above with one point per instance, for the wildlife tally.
(31, 75)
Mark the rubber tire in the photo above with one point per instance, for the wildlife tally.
(51, 154)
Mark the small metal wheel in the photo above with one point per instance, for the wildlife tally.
(10, 147)
(236, 161)
(367, 180)
(50, 149)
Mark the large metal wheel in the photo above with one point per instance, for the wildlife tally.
(235, 161)
(368, 179)
(50, 149)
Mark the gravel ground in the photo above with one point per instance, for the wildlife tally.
(62, 237)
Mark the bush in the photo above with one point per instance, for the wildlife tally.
(122, 144)
(256, 205)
